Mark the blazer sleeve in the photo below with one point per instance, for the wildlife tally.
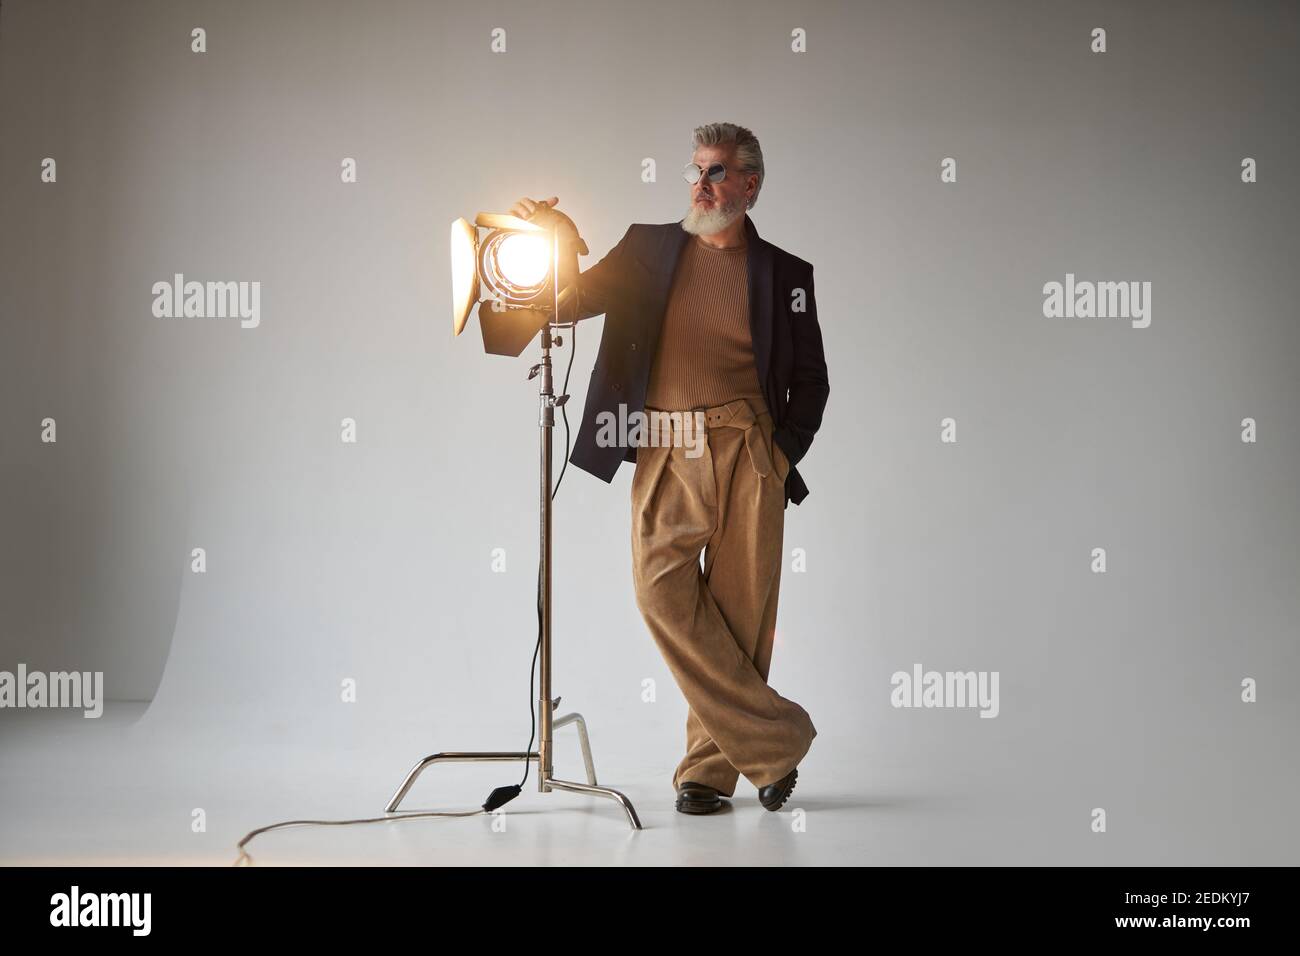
(597, 285)
(809, 384)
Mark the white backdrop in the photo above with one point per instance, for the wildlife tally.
(372, 561)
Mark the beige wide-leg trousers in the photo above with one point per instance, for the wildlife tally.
(722, 491)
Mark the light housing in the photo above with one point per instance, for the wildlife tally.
(511, 265)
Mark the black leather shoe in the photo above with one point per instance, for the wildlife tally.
(697, 798)
(775, 794)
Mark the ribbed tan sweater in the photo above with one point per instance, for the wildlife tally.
(705, 354)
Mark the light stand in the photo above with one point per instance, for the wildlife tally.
(546, 781)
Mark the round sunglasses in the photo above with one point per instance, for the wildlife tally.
(692, 173)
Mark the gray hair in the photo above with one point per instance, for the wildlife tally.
(748, 153)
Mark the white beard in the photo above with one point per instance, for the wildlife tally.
(705, 222)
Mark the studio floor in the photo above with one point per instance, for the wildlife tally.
(130, 792)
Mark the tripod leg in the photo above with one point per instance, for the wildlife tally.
(599, 792)
(452, 756)
(583, 741)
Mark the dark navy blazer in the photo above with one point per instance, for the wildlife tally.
(631, 285)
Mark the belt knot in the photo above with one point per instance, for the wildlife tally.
(739, 413)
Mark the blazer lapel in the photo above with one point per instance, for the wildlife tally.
(672, 241)
(760, 299)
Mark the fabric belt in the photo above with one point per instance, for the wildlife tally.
(739, 413)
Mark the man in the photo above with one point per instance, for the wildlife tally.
(709, 327)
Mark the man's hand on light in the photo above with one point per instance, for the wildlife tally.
(527, 208)
(543, 213)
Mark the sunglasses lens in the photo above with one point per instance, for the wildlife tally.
(717, 172)
(691, 173)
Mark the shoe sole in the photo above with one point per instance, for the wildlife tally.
(685, 805)
(785, 796)
(697, 810)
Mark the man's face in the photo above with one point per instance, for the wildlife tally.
(715, 206)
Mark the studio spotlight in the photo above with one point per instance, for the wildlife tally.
(523, 275)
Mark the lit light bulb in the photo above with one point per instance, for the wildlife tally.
(524, 260)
